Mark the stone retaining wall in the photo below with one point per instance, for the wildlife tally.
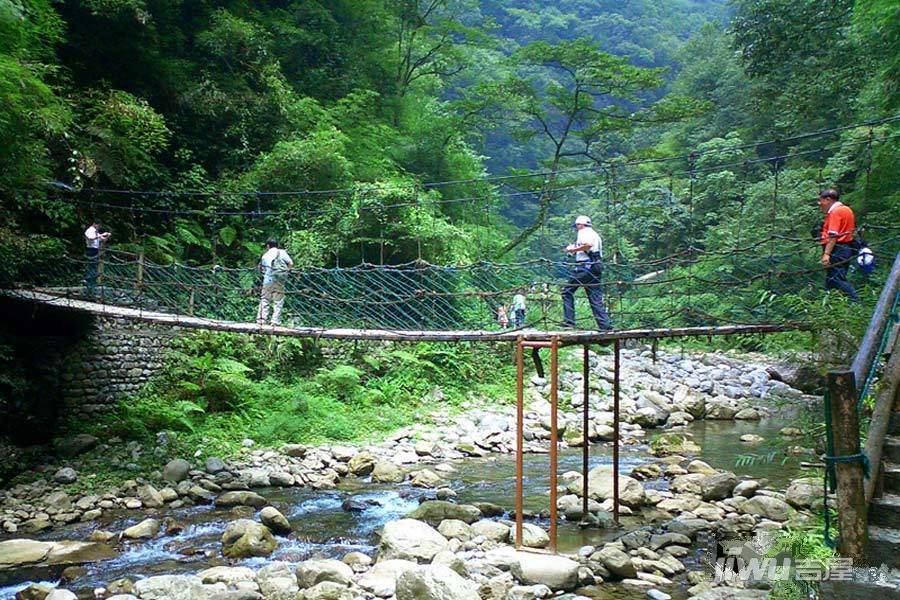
(114, 358)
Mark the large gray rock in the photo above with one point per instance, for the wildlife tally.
(65, 475)
(600, 487)
(244, 538)
(434, 582)
(718, 486)
(533, 536)
(804, 492)
(435, 511)
(227, 575)
(274, 520)
(454, 528)
(327, 590)
(150, 496)
(176, 470)
(18, 553)
(170, 587)
(556, 572)
(362, 464)
(409, 539)
(60, 594)
(214, 465)
(241, 498)
(381, 579)
(387, 472)
(278, 582)
(616, 562)
(145, 530)
(492, 530)
(312, 572)
(769, 507)
(76, 445)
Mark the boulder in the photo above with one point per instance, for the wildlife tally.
(456, 529)
(804, 492)
(556, 572)
(434, 582)
(387, 472)
(600, 487)
(768, 507)
(426, 478)
(312, 572)
(60, 594)
(214, 465)
(227, 575)
(176, 470)
(616, 562)
(533, 536)
(76, 445)
(272, 518)
(362, 464)
(149, 496)
(435, 511)
(145, 530)
(492, 530)
(35, 591)
(409, 539)
(19, 553)
(718, 486)
(244, 538)
(746, 488)
(278, 582)
(170, 587)
(381, 579)
(327, 590)
(241, 498)
(65, 475)
(451, 561)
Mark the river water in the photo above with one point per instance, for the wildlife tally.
(322, 528)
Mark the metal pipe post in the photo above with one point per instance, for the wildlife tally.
(554, 435)
(520, 399)
(616, 370)
(585, 430)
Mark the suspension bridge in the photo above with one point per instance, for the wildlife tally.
(746, 281)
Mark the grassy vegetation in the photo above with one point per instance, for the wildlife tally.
(218, 389)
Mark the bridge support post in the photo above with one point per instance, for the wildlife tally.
(585, 432)
(616, 371)
(520, 399)
(554, 435)
(139, 279)
(851, 500)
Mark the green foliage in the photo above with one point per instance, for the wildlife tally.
(217, 389)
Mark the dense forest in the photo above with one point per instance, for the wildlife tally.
(452, 132)
(214, 103)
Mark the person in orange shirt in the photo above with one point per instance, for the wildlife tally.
(837, 242)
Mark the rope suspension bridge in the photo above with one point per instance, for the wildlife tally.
(732, 283)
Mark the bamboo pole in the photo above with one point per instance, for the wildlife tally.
(851, 499)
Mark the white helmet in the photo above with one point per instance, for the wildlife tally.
(583, 220)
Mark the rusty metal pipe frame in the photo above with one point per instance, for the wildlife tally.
(585, 428)
(554, 436)
(616, 371)
(520, 400)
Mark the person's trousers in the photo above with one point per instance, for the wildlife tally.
(520, 317)
(272, 295)
(590, 281)
(836, 273)
(92, 255)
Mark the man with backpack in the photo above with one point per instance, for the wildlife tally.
(275, 265)
(837, 240)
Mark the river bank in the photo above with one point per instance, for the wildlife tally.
(461, 458)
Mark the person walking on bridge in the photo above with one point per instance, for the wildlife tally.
(275, 265)
(93, 237)
(588, 251)
(837, 242)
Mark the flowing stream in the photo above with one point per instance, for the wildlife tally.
(323, 528)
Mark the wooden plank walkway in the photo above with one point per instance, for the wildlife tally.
(565, 336)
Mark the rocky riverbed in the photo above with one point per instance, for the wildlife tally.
(247, 526)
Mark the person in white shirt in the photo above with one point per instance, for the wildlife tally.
(93, 237)
(518, 309)
(275, 265)
(588, 251)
